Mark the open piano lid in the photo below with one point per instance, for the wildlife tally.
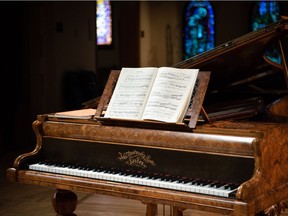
(240, 69)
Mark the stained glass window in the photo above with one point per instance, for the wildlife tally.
(103, 22)
(198, 28)
(264, 13)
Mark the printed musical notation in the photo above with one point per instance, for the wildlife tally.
(152, 93)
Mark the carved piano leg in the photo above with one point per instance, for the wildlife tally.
(64, 202)
(151, 209)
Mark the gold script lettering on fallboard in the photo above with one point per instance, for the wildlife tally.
(136, 159)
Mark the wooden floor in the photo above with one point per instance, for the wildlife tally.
(29, 200)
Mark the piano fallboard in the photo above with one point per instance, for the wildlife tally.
(146, 159)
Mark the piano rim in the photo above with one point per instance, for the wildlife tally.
(145, 194)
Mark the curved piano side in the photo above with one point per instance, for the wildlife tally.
(12, 172)
(269, 184)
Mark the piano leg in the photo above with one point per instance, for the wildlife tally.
(151, 209)
(64, 202)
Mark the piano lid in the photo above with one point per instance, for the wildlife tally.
(242, 62)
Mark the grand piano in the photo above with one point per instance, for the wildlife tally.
(233, 162)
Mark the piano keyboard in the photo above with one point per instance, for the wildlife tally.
(134, 177)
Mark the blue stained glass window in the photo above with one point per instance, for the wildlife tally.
(264, 13)
(104, 22)
(198, 27)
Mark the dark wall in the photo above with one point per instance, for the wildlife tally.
(14, 97)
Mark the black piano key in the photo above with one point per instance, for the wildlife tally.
(198, 182)
(232, 194)
(186, 180)
(231, 186)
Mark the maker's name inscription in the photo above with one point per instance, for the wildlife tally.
(136, 159)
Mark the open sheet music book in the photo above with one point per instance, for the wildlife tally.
(151, 93)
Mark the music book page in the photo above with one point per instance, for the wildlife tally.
(151, 93)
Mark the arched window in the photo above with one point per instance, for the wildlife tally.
(103, 22)
(198, 28)
(264, 13)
